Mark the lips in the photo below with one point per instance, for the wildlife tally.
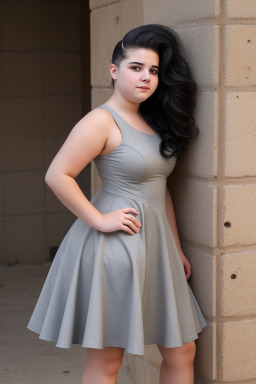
(144, 87)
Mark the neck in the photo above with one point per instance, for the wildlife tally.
(123, 105)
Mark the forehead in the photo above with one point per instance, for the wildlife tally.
(143, 55)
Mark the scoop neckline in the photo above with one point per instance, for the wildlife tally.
(143, 133)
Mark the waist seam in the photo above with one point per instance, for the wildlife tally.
(131, 197)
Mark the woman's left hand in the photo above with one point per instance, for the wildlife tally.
(186, 265)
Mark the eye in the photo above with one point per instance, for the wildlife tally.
(135, 67)
(154, 71)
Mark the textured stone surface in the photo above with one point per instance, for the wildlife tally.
(101, 3)
(62, 73)
(57, 225)
(236, 352)
(238, 211)
(195, 206)
(239, 137)
(240, 9)
(172, 11)
(205, 363)
(20, 25)
(237, 284)
(205, 145)
(25, 238)
(239, 55)
(131, 12)
(202, 279)
(24, 192)
(201, 45)
(101, 54)
(20, 73)
(61, 25)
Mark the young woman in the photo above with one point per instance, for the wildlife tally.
(119, 279)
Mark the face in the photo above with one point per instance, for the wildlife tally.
(139, 69)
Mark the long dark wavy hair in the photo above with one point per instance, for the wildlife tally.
(169, 110)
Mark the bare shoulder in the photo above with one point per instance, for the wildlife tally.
(99, 118)
(85, 142)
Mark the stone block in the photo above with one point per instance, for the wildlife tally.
(20, 74)
(239, 55)
(51, 147)
(201, 157)
(21, 154)
(62, 72)
(20, 118)
(102, 20)
(170, 12)
(101, 3)
(240, 9)
(153, 355)
(237, 215)
(100, 96)
(202, 278)
(24, 192)
(20, 25)
(201, 50)
(61, 26)
(57, 225)
(205, 363)
(239, 138)
(237, 352)
(236, 284)
(195, 203)
(2, 194)
(53, 204)
(3, 242)
(131, 15)
(26, 238)
(61, 113)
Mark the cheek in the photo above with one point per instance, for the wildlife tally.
(133, 77)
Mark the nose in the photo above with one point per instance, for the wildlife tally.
(145, 75)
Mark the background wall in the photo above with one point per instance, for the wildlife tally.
(213, 187)
(44, 45)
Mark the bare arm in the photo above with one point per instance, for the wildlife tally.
(85, 141)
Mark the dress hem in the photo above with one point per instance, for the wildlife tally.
(112, 343)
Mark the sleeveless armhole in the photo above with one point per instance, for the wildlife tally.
(118, 122)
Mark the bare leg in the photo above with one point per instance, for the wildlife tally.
(102, 365)
(178, 364)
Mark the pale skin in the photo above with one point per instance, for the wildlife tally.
(97, 134)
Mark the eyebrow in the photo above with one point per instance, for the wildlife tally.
(136, 62)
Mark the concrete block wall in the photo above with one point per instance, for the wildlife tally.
(40, 102)
(213, 187)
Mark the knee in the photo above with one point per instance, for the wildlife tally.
(112, 366)
(107, 360)
(180, 356)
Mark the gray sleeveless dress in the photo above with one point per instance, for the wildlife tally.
(113, 288)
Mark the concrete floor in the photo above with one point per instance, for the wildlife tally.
(24, 358)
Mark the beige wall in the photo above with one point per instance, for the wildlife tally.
(213, 187)
(41, 99)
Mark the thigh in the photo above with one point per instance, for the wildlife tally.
(178, 355)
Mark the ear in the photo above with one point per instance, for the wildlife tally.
(113, 71)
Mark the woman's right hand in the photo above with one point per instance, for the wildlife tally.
(120, 219)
